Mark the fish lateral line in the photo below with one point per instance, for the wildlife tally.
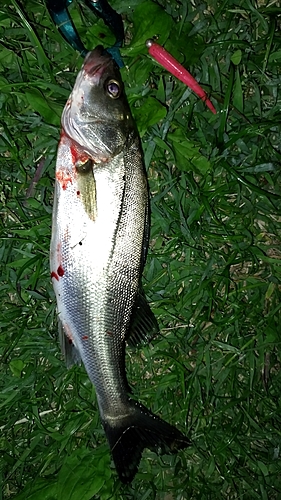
(163, 57)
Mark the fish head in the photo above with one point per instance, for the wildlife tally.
(97, 115)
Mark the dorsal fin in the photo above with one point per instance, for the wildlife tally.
(144, 326)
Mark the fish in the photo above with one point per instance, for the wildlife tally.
(99, 244)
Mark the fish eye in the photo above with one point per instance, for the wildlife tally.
(113, 88)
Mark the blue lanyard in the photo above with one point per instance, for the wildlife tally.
(60, 16)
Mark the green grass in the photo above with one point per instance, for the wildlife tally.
(213, 273)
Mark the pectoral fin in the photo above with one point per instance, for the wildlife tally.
(87, 188)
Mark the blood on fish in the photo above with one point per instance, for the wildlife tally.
(109, 333)
(59, 255)
(60, 271)
(85, 337)
(77, 154)
(65, 237)
(62, 134)
(63, 178)
(175, 68)
(68, 333)
(54, 275)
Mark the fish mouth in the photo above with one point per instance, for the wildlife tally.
(96, 61)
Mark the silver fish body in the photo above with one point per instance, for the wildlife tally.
(99, 242)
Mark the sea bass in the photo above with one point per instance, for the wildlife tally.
(100, 234)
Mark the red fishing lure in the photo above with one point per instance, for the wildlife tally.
(175, 68)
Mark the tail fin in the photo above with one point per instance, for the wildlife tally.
(141, 429)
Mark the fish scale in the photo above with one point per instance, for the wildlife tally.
(100, 233)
